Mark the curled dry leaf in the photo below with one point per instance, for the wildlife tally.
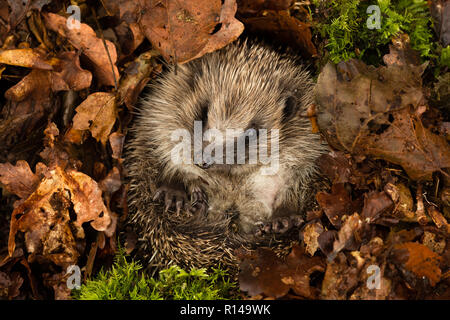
(28, 58)
(183, 30)
(401, 195)
(68, 74)
(92, 47)
(137, 74)
(310, 235)
(340, 278)
(116, 141)
(97, 114)
(375, 203)
(45, 220)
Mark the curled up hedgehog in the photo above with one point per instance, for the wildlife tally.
(220, 155)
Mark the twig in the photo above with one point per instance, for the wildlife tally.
(106, 47)
(420, 212)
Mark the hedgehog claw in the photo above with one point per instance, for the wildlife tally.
(279, 225)
(172, 197)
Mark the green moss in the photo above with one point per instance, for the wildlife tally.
(343, 23)
(124, 281)
(445, 56)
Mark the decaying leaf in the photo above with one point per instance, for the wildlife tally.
(184, 30)
(372, 111)
(137, 74)
(418, 259)
(92, 47)
(45, 219)
(335, 204)
(263, 273)
(310, 235)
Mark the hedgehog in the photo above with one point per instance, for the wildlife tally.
(202, 183)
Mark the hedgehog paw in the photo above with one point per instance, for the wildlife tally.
(279, 225)
(174, 198)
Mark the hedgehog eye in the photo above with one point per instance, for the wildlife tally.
(290, 108)
(204, 114)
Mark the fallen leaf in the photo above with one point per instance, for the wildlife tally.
(371, 111)
(28, 58)
(375, 203)
(263, 273)
(419, 260)
(92, 47)
(310, 235)
(137, 74)
(97, 114)
(184, 30)
(18, 179)
(335, 204)
(285, 28)
(68, 74)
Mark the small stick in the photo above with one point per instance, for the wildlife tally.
(438, 219)
(420, 212)
(106, 47)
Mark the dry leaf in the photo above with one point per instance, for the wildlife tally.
(28, 58)
(92, 47)
(18, 179)
(183, 30)
(45, 220)
(97, 114)
(419, 260)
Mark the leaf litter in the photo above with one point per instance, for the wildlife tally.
(70, 97)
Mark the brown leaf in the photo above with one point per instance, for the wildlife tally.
(137, 74)
(346, 235)
(310, 235)
(130, 37)
(112, 182)
(340, 278)
(116, 141)
(68, 74)
(184, 30)
(335, 204)
(375, 203)
(284, 28)
(370, 111)
(18, 179)
(28, 58)
(419, 260)
(45, 220)
(336, 166)
(254, 6)
(19, 9)
(92, 47)
(263, 273)
(97, 114)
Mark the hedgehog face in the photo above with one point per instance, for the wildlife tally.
(234, 140)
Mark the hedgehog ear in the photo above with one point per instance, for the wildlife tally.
(290, 108)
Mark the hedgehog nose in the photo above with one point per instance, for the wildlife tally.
(204, 165)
